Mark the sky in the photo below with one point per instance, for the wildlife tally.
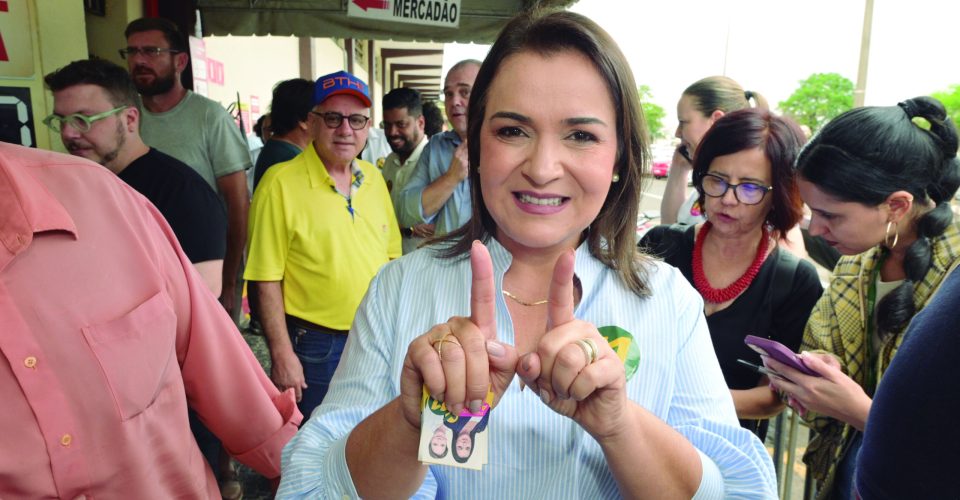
(769, 46)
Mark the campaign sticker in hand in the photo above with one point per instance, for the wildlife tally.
(623, 343)
(455, 440)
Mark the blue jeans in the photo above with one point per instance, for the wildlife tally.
(208, 443)
(846, 470)
(319, 352)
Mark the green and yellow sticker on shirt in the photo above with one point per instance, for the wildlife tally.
(623, 343)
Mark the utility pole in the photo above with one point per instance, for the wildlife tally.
(726, 47)
(861, 90)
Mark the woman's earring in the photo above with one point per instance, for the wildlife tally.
(616, 178)
(896, 235)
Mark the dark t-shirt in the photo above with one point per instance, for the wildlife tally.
(273, 152)
(753, 312)
(192, 209)
(910, 447)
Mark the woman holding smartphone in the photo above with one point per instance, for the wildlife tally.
(701, 104)
(879, 187)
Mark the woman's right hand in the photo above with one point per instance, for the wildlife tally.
(833, 393)
(681, 159)
(473, 361)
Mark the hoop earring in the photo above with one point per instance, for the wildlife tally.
(896, 235)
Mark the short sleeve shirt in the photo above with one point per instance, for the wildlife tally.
(323, 246)
(192, 209)
(200, 133)
(273, 152)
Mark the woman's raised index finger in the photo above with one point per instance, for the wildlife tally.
(560, 308)
(483, 297)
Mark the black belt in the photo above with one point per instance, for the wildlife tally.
(302, 323)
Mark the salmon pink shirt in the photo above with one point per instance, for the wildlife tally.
(107, 335)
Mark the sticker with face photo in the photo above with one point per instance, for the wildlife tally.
(455, 440)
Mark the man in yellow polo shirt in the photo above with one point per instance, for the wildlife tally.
(321, 225)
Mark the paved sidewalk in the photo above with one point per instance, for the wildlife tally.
(255, 486)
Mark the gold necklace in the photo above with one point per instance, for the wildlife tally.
(523, 302)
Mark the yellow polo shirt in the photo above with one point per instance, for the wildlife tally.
(324, 249)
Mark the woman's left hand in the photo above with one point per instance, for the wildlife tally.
(833, 394)
(591, 393)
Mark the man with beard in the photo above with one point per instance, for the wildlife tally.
(438, 192)
(194, 130)
(322, 226)
(96, 113)
(200, 133)
(403, 123)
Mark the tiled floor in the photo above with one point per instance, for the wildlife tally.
(795, 476)
(255, 486)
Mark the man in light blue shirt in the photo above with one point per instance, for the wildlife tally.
(403, 123)
(439, 191)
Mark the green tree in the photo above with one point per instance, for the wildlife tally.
(951, 100)
(820, 98)
(652, 112)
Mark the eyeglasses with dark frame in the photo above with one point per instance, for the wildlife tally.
(748, 193)
(80, 122)
(332, 119)
(150, 52)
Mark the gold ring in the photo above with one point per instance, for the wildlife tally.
(439, 343)
(589, 348)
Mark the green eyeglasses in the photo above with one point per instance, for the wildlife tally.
(79, 122)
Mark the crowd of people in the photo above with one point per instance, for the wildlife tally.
(493, 265)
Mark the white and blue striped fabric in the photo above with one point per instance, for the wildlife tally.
(533, 452)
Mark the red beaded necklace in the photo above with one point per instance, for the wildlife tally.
(714, 295)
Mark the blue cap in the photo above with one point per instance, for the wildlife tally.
(340, 82)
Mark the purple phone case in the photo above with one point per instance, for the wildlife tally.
(779, 352)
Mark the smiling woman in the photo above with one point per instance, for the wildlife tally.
(555, 184)
(547, 163)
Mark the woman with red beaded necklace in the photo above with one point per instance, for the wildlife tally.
(743, 170)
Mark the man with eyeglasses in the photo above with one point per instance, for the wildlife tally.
(194, 130)
(321, 225)
(97, 116)
(112, 138)
(403, 122)
(438, 192)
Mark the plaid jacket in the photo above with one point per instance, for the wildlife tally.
(838, 325)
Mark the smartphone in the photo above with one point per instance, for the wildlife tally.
(779, 352)
(685, 153)
(759, 369)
